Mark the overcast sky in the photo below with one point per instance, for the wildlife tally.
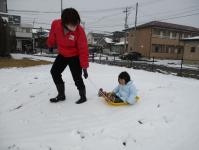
(107, 15)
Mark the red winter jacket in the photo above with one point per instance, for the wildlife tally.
(69, 44)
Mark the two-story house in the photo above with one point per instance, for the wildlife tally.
(160, 39)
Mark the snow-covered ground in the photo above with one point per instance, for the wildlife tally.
(176, 64)
(166, 118)
(164, 62)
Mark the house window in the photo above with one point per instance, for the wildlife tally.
(164, 49)
(156, 32)
(28, 30)
(156, 48)
(193, 49)
(170, 49)
(177, 35)
(166, 34)
(182, 35)
(180, 50)
(174, 35)
(185, 35)
(170, 36)
(161, 34)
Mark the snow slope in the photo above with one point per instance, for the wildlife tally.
(166, 118)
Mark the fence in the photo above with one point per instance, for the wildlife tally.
(174, 67)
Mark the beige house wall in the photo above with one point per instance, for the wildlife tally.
(191, 57)
(146, 39)
(143, 40)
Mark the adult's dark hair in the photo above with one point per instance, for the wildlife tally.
(124, 75)
(70, 16)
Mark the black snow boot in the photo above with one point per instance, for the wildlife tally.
(61, 94)
(82, 94)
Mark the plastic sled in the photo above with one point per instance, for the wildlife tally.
(111, 102)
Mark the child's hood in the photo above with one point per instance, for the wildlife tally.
(129, 83)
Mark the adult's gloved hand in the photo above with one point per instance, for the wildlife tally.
(85, 73)
(50, 50)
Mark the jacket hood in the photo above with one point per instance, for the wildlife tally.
(129, 83)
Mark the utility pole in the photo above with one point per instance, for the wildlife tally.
(134, 49)
(126, 11)
(33, 42)
(41, 30)
(83, 24)
(61, 6)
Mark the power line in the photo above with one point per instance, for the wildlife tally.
(105, 17)
(33, 11)
(83, 11)
(174, 14)
(180, 16)
(118, 25)
(105, 10)
(145, 22)
(170, 18)
(151, 2)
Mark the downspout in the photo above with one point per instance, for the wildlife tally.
(150, 44)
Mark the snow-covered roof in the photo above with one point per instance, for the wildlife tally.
(34, 30)
(45, 30)
(108, 40)
(121, 43)
(99, 34)
(191, 38)
(38, 30)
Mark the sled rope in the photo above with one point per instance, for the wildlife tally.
(93, 84)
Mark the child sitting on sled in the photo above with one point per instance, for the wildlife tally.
(125, 92)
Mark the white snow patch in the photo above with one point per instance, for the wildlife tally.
(166, 118)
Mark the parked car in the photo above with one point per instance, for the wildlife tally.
(131, 56)
(95, 49)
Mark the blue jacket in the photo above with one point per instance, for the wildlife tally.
(126, 92)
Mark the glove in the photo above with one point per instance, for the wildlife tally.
(51, 50)
(85, 73)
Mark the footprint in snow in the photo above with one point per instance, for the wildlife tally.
(124, 143)
(32, 96)
(166, 120)
(78, 134)
(13, 147)
(81, 134)
(140, 122)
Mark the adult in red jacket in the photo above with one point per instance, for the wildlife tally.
(69, 37)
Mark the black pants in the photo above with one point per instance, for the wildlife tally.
(117, 99)
(61, 63)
